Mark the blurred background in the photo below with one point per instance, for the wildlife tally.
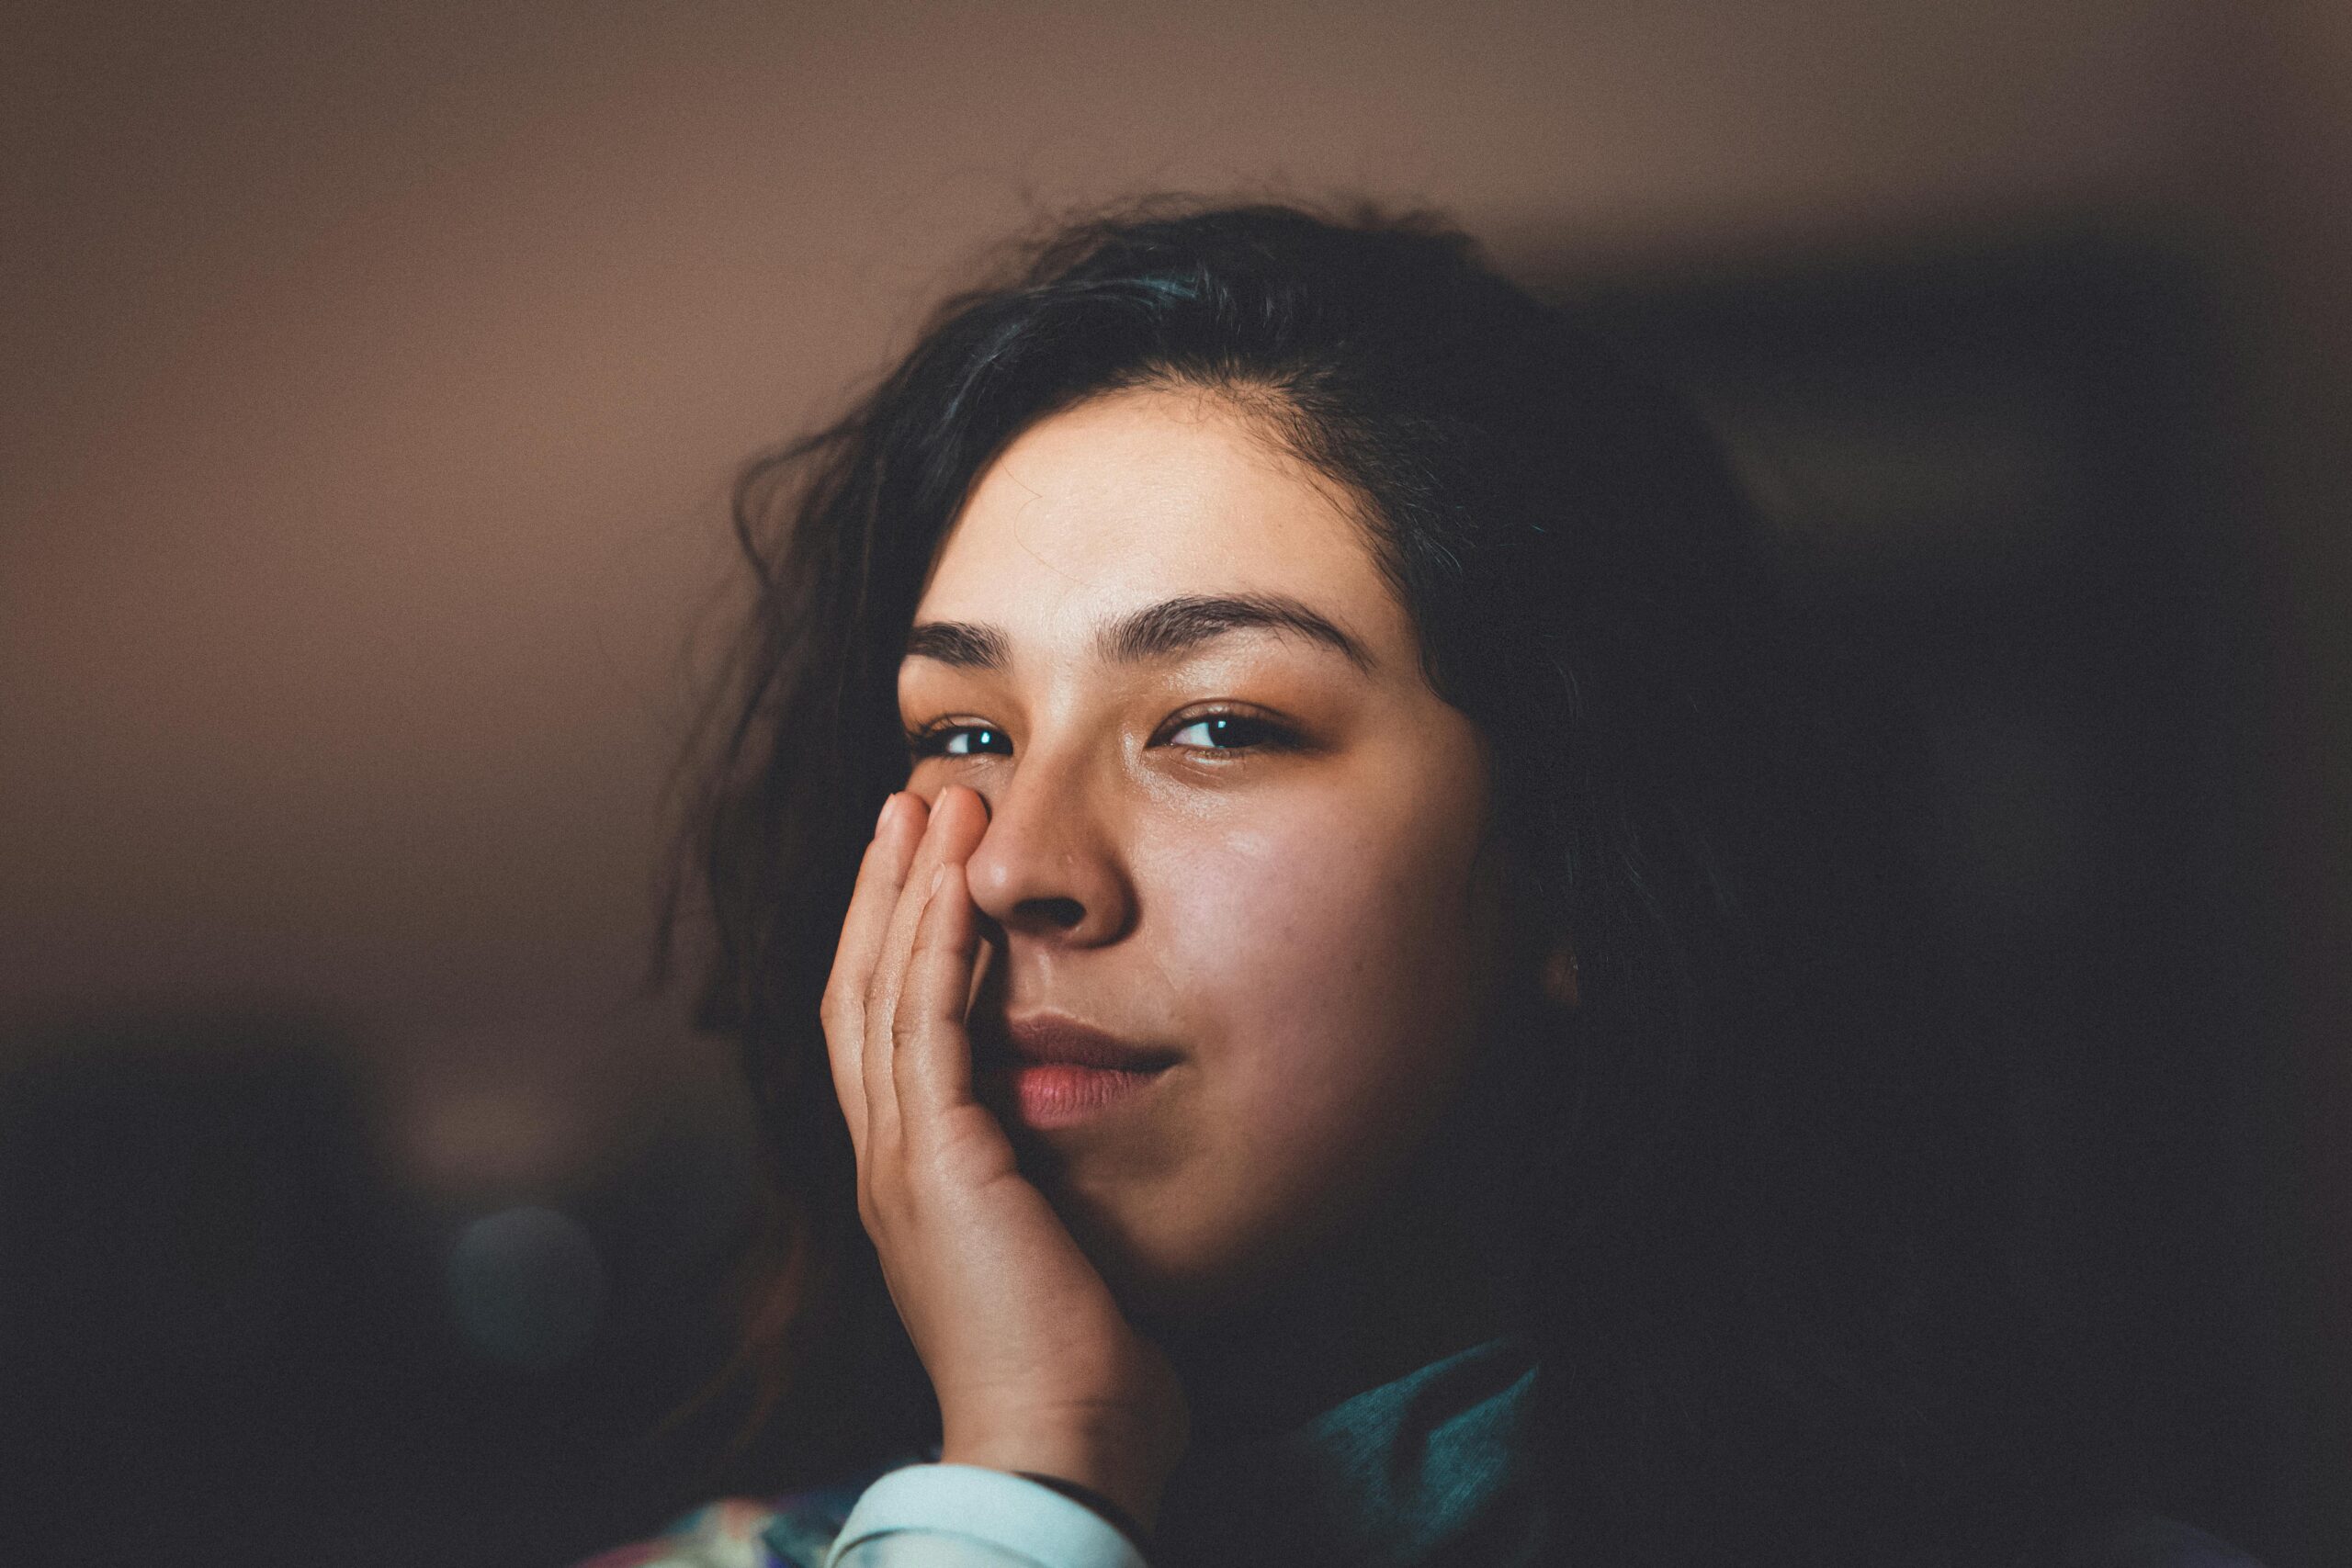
(374, 377)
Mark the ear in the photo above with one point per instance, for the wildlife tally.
(1561, 983)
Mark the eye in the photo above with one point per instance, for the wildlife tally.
(1230, 732)
(958, 741)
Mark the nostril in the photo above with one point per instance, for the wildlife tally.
(1062, 912)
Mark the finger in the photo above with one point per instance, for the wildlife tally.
(888, 973)
(955, 821)
(932, 1054)
(880, 874)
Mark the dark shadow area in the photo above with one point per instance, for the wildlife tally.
(228, 1335)
(2001, 475)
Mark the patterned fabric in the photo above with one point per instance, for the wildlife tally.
(735, 1532)
(724, 1534)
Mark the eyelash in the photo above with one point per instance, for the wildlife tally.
(933, 741)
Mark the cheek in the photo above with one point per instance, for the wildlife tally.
(1323, 961)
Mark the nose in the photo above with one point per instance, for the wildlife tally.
(1049, 865)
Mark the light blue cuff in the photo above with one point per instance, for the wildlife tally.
(1008, 1518)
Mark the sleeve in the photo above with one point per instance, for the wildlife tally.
(960, 1515)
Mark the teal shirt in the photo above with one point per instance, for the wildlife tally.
(1426, 1471)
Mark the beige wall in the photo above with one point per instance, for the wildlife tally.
(373, 373)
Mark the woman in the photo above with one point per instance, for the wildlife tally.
(1381, 1018)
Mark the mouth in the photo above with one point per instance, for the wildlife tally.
(1056, 1071)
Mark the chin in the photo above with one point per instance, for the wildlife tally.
(1157, 1279)
(1169, 1280)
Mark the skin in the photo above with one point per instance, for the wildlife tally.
(1305, 908)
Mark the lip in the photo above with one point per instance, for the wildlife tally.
(1052, 1039)
(1057, 1071)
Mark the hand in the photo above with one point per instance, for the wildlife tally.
(1035, 1366)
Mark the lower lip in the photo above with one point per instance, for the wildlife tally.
(1061, 1094)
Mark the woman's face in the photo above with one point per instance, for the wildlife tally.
(1229, 822)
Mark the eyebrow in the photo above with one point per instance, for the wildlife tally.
(1159, 631)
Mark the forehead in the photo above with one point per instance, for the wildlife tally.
(1142, 496)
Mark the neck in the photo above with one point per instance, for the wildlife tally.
(1415, 1283)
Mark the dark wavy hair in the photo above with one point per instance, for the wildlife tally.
(1761, 1172)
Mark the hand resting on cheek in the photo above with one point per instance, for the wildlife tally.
(1036, 1368)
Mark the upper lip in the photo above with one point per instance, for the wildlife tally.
(1052, 1037)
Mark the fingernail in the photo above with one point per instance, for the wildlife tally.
(938, 875)
(883, 816)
